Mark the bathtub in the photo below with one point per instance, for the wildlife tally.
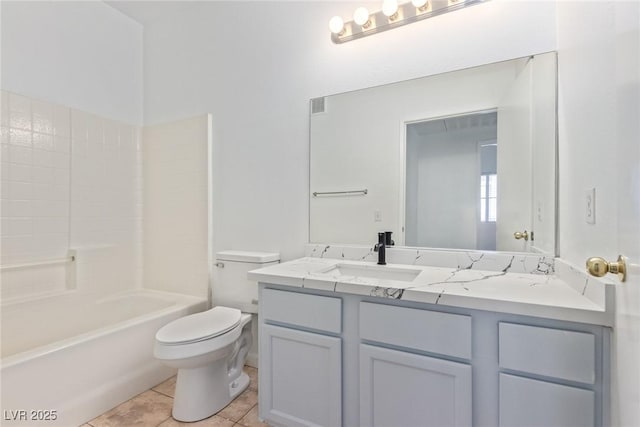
(68, 358)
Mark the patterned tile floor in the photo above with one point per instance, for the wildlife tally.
(153, 408)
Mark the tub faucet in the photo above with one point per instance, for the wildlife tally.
(380, 248)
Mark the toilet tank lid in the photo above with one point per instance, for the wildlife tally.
(246, 256)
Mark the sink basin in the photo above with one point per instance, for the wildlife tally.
(374, 272)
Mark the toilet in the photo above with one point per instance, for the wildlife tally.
(210, 348)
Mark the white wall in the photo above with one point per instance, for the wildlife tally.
(176, 224)
(255, 65)
(587, 127)
(82, 54)
(599, 93)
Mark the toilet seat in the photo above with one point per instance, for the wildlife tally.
(200, 326)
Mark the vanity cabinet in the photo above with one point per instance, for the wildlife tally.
(333, 359)
(562, 367)
(303, 377)
(399, 388)
(527, 402)
(419, 389)
(300, 362)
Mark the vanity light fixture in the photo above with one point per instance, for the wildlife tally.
(392, 15)
(390, 9)
(361, 17)
(336, 25)
(421, 5)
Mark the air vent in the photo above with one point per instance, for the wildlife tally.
(317, 105)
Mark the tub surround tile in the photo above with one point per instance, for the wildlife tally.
(37, 139)
(147, 409)
(519, 284)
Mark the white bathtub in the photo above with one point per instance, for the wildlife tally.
(77, 355)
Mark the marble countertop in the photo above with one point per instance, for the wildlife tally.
(556, 296)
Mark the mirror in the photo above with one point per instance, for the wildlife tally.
(460, 160)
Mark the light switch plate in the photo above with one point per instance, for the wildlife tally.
(377, 215)
(590, 206)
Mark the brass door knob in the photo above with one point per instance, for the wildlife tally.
(524, 235)
(599, 267)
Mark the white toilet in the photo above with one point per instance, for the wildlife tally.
(209, 348)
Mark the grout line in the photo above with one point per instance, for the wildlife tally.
(161, 394)
(250, 409)
(169, 417)
(164, 394)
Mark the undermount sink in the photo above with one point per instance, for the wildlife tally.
(374, 272)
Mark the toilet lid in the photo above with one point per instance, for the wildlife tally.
(199, 326)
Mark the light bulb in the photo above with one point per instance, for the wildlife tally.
(390, 9)
(419, 4)
(361, 17)
(336, 25)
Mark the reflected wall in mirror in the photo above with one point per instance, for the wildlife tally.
(459, 160)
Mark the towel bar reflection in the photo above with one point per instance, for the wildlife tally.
(334, 193)
(38, 263)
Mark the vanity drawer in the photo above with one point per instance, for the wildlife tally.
(430, 331)
(554, 353)
(309, 311)
(524, 402)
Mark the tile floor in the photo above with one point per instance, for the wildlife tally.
(153, 408)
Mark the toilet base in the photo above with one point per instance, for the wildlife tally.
(198, 393)
(239, 385)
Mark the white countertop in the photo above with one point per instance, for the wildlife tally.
(539, 295)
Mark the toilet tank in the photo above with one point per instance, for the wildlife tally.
(230, 287)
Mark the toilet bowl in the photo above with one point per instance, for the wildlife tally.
(209, 349)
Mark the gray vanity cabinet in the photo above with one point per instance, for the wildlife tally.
(418, 390)
(526, 402)
(562, 364)
(300, 363)
(332, 359)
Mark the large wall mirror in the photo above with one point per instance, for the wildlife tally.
(461, 160)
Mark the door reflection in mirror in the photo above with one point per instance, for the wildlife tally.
(451, 166)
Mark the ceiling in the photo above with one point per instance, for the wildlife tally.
(449, 124)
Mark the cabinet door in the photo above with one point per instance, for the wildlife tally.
(525, 402)
(300, 378)
(405, 389)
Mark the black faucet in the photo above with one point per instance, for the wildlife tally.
(388, 241)
(380, 248)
